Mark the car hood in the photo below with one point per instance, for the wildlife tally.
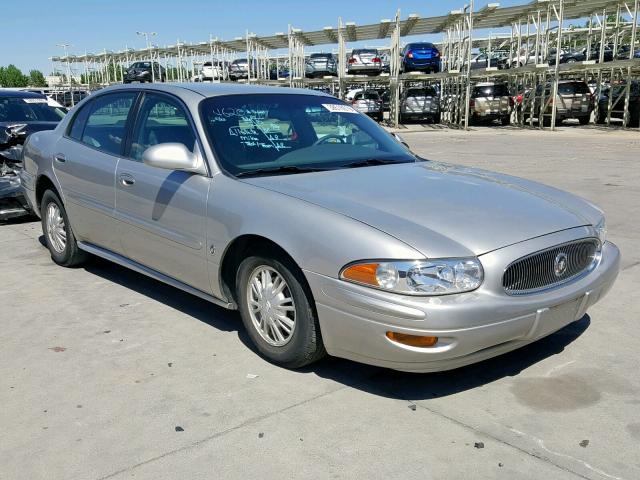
(439, 209)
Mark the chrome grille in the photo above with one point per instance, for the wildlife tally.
(551, 267)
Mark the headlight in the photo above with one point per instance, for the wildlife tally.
(420, 277)
(601, 230)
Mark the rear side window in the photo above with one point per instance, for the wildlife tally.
(107, 120)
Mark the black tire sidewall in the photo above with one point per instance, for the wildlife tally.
(71, 255)
(297, 350)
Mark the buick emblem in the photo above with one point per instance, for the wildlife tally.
(560, 264)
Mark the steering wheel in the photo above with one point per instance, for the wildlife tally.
(326, 139)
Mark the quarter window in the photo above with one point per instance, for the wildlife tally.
(106, 122)
(161, 120)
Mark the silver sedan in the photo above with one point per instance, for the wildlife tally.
(322, 229)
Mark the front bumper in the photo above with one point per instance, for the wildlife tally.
(471, 327)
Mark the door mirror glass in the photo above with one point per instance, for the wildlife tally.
(173, 156)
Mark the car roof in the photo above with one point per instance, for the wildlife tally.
(6, 92)
(213, 89)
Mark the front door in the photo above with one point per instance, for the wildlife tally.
(161, 212)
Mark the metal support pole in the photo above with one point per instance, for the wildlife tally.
(468, 67)
(554, 110)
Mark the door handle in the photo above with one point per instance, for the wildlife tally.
(127, 180)
(60, 158)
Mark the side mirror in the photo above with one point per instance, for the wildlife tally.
(173, 156)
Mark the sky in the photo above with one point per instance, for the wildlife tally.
(32, 29)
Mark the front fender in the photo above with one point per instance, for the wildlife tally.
(318, 240)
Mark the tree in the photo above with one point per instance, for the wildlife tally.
(36, 79)
(11, 76)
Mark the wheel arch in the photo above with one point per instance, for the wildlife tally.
(44, 183)
(242, 247)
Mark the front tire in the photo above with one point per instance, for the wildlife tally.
(277, 310)
(58, 235)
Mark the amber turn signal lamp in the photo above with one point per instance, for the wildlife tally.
(362, 273)
(412, 340)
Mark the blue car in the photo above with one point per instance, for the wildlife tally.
(423, 57)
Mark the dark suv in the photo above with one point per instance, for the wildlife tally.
(423, 56)
(142, 72)
(618, 98)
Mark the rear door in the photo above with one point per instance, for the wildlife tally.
(161, 212)
(85, 163)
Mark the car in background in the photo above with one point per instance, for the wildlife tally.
(595, 53)
(322, 229)
(420, 57)
(144, 72)
(369, 102)
(365, 61)
(239, 69)
(212, 70)
(490, 101)
(21, 114)
(321, 65)
(574, 101)
(481, 61)
(570, 56)
(624, 50)
(418, 103)
(618, 94)
(385, 96)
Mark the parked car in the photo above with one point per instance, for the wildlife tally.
(364, 61)
(490, 101)
(369, 102)
(239, 69)
(595, 53)
(145, 72)
(420, 56)
(566, 57)
(21, 114)
(574, 100)
(618, 94)
(321, 65)
(418, 103)
(624, 50)
(516, 61)
(385, 96)
(212, 70)
(481, 61)
(321, 228)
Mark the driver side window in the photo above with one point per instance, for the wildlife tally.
(161, 120)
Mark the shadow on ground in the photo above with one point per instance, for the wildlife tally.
(375, 380)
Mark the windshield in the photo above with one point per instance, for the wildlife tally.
(276, 131)
(141, 65)
(17, 109)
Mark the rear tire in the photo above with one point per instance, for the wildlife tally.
(58, 235)
(283, 326)
(505, 121)
(584, 120)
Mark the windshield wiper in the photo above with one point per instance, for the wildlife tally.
(285, 170)
(372, 162)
